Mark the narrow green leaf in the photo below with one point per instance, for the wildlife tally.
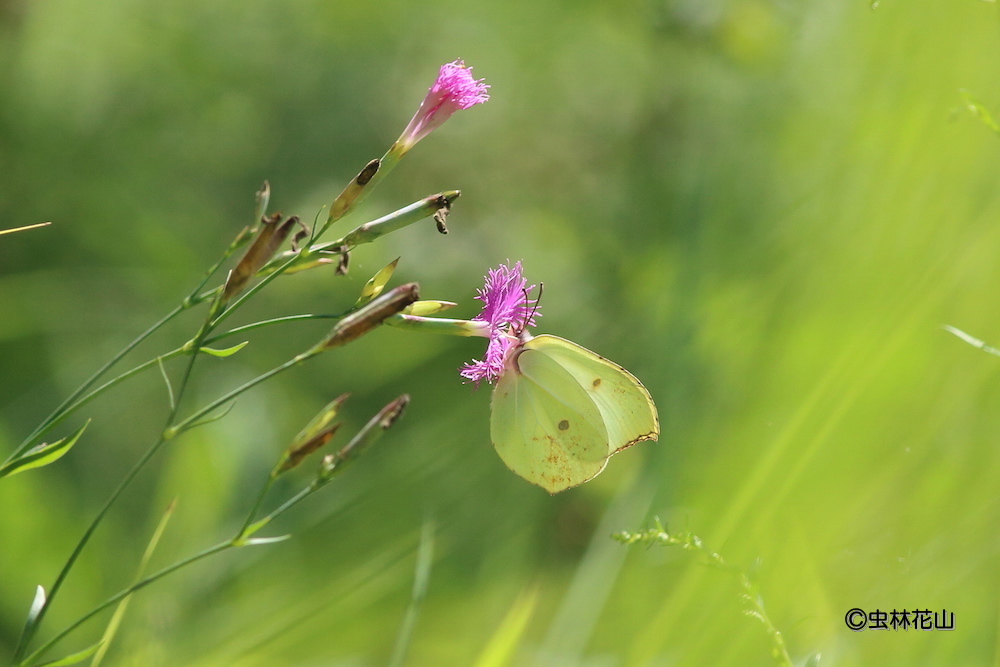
(378, 282)
(166, 380)
(43, 454)
(254, 541)
(227, 352)
(421, 579)
(73, 658)
(36, 605)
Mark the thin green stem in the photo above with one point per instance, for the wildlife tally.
(194, 297)
(296, 499)
(28, 632)
(70, 403)
(170, 430)
(276, 320)
(205, 296)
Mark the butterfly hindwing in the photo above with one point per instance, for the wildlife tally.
(545, 426)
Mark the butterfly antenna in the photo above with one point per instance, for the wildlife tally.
(535, 307)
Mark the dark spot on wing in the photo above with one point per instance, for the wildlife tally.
(597, 383)
(563, 425)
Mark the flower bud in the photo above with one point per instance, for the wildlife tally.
(272, 234)
(453, 90)
(369, 433)
(430, 307)
(429, 206)
(369, 316)
(317, 433)
(350, 196)
(439, 325)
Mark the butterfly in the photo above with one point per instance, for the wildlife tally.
(560, 411)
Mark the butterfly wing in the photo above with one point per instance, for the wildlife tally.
(626, 408)
(545, 426)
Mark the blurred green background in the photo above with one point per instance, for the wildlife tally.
(764, 209)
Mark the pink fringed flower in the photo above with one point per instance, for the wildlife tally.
(454, 89)
(507, 310)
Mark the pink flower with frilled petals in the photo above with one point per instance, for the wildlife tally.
(507, 310)
(454, 89)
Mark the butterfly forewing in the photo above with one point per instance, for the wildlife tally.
(626, 408)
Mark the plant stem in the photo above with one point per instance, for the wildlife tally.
(276, 320)
(295, 500)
